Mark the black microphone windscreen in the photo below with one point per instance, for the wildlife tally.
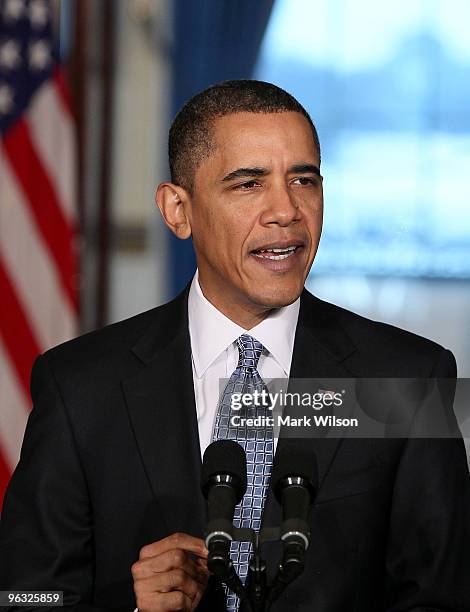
(295, 458)
(224, 457)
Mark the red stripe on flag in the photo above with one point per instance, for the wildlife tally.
(62, 89)
(42, 199)
(4, 478)
(18, 338)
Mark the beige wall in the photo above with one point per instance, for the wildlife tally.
(140, 124)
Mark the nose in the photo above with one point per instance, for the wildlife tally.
(281, 207)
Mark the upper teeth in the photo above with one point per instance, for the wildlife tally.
(290, 248)
(280, 253)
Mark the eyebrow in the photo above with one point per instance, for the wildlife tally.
(245, 172)
(256, 171)
(305, 169)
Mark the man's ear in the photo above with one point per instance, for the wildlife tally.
(172, 200)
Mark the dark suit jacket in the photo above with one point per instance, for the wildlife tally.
(111, 462)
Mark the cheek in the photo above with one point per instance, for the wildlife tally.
(206, 227)
(224, 228)
(215, 235)
(235, 225)
(314, 218)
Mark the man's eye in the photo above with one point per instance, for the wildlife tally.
(247, 185)
(305, 180)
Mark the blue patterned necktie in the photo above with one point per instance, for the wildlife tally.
(257, 443)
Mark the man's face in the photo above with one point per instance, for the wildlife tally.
(256, 212)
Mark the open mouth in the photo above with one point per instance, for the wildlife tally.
(275, 254)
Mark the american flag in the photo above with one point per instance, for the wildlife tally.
(38, 271)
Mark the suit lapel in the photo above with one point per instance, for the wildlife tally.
(162, 412)
(321, 348)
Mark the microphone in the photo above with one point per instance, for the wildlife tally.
(295, 480)
(223, 484)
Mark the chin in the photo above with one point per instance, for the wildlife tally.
(277, 297)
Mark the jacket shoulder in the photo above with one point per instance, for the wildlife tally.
(384, 347)
(108, 338)
(108, 351)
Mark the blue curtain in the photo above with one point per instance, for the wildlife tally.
(214, 40)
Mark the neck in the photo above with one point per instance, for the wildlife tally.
(244, 315)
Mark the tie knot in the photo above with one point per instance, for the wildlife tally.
(249, 351)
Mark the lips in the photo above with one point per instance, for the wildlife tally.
(275, 254)
(277, 251)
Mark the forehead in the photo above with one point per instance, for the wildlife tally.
(263, 138)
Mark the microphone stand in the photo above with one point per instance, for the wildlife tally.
(256, 591)
(291, 566)
(256, 582)
(220, 564)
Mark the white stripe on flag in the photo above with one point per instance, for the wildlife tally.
(52, 133)
(14, 412)
(31, 268)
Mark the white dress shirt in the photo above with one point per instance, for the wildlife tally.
(215, 353)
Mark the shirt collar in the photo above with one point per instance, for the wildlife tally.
(211, 332)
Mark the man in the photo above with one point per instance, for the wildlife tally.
(105, 503)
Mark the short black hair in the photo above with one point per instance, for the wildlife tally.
(191, 140)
